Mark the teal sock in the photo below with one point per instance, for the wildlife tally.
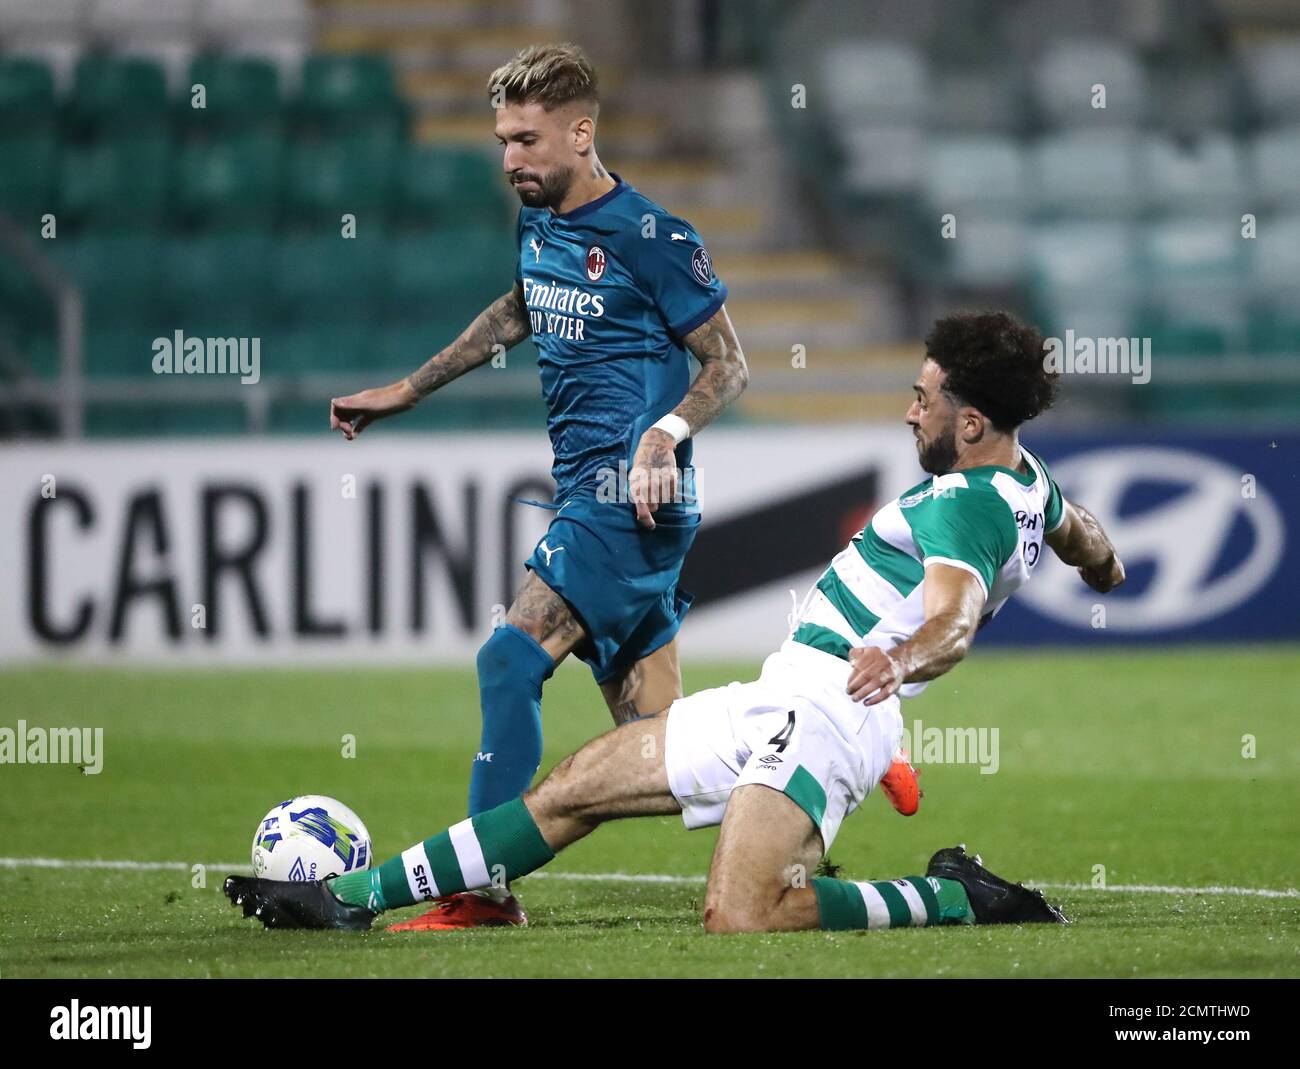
(492, 848)
(915, 901)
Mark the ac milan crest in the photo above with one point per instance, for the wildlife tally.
(595, 263)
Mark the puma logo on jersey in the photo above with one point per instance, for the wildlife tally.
(536, 246)
(548, 550)
(677, 237)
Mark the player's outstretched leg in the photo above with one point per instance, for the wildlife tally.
(619, 774)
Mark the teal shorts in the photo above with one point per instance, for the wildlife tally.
(619, 578)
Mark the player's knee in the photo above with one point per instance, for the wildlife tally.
(734, 918)
(742, 910)
(511, 660)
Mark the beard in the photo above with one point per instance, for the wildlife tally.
(940, 454)
(551, 189)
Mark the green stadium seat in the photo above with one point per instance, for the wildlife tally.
(28, 173)
(26, 94)
(1088, 174)
(117, 351)
(319, 349)
(1202, 174)
(115, 183)
(1196, 273)
(449, 187)
(325, 179)
(1275, 268)
(1084, 277)
(239, 90)
(219, 284)
(120, 278)
(119, 91)
(874, 82)
(1275, 156)
(327, 278)
(460, 269)
(1064, 73)
(340, 83)
(228, 181)
(987, 173)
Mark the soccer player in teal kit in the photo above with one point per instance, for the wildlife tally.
(615, 293)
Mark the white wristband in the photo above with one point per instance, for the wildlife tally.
(676, 426)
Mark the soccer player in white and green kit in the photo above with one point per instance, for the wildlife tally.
(781, 761)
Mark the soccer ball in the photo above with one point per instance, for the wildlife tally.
(310, 838)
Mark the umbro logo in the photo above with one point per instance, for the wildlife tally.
(770, 759)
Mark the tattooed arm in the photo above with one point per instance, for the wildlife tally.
(1080, 541)
(504, 322)
(723, 377)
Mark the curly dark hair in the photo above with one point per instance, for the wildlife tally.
(995, 363)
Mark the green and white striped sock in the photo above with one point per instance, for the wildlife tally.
(914, 901)
(503, 842)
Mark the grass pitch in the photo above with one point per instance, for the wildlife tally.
(1133, 762)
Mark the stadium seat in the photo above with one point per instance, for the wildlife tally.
(228, 181)
(219, 284)
(1206, 173)
(1089, 174)
(882, 160)
(987, 253)
(1195, 272)
(28, 173)
(442, 186)
(463, 268)
(120, 277)
(874, 83)
(1275, 158)
(241, 93)
(1062, 81)
(339, 86)
(320, 349)
(123, 91)
(966, 101)
(1083, 276)
(1191, 100)
(1275, 268)
(988, 173)
(326, 178)
(27, 101)
(116, 350)
(115, 183)
(328, 278)
(1273, 71)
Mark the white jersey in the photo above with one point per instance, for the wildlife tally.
(989, 521)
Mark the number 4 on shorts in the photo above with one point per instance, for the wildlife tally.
(782, 738)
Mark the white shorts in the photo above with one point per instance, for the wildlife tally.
(794, 729)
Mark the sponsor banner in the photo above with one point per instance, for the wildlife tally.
(408, 549)
(1208, 528)
(397, 549)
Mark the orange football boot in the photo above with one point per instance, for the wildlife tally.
(900, 786)
(465, 910)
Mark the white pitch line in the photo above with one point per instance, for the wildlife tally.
(628, 877)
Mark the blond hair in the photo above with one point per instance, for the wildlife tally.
(552, 75)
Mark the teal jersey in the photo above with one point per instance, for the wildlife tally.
(612, 289)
